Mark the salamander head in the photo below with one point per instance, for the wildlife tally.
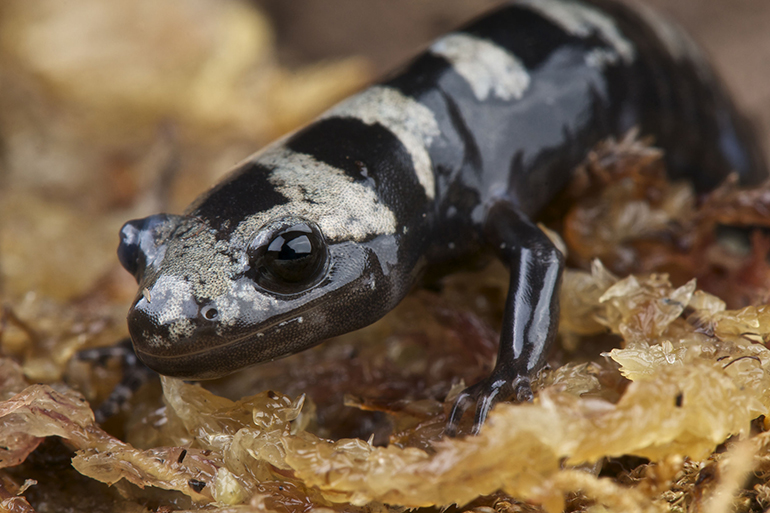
(209, 305)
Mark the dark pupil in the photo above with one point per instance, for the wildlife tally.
(292, 257)
(293, 249)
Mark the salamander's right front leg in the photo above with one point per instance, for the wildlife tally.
(531, 313)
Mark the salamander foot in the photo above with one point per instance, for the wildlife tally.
(135, 374)
(484, 395)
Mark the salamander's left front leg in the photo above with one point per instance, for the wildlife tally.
(531, 313)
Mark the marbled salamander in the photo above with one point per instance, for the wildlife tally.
(326, 230)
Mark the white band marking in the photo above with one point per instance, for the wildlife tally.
(581, 20)
(343, 208)
(486, 67)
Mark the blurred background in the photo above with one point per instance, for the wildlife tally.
(112, 110)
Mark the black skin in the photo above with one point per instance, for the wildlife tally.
(531, 313)
(496, 163)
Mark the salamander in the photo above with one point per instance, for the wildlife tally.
(449, 158)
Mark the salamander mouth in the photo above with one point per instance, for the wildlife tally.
(213, 356)
(250, 337)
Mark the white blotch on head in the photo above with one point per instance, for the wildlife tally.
(343, 208)
(172, 292)
(239, 301)
(206, 265)
(487, 68)
(582, 20)
(410, 121)
(157, 341)
(228, 307)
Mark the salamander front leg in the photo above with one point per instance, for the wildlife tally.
(531, 313)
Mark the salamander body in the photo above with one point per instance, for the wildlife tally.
(448, 158)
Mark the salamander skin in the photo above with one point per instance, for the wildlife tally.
(448, 159)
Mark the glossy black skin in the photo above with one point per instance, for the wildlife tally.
(496, 165)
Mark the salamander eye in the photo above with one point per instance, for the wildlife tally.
(292, 260)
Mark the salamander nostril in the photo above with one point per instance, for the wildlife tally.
(209, 313)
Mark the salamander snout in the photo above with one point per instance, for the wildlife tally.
(169, 328)
(139, 241)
